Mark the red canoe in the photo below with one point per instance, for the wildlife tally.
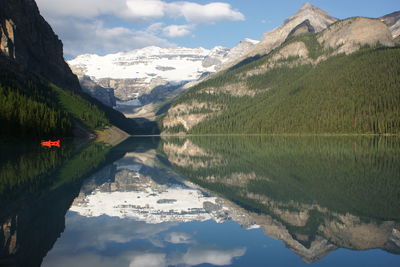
(51, 143)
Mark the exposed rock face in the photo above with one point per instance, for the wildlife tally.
(28, 39)
(393, 22)
(296, 49)
(348, 35)
(304, 27)
(216, 57)
(318, 20)
(188, 114)
(7, 38)
(105, 95)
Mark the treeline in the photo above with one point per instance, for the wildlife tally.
(33, 108)
(354, 94)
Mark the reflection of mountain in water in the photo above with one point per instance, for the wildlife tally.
(314, 194)
(149, 193)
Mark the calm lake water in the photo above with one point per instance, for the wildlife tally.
(202, 201)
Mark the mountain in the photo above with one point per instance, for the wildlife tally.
(315, 18)
(392, 20)
(135, 73)
(28, 39)
(339, 80)
(35, 78)
(150, 75)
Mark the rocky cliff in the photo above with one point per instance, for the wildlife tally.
(392, 20)
(27, 39)
(348, 35)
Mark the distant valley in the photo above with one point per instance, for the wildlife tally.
(145, 77)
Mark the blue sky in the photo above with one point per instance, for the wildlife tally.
(105, 26)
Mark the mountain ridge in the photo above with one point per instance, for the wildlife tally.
(224, 98)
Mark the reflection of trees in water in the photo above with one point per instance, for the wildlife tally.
(316, 193)
(42, 188)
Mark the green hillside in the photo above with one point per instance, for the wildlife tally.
(31, 107)
(345, 94)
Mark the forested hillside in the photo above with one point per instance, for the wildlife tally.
(35, 108)
(302, 87)
(346, 94)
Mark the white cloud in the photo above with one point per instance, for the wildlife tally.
(144, 9)
(209, 13)
(80, 37)
(155, 27)
(141, 10)
(89, 26)
(175, 31)
(81, 8)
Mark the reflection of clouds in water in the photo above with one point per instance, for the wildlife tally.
(97, 232)
(149, 260)
(178, 238)
(92, 242)
(215, 256)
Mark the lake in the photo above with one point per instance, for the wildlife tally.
(202, 201)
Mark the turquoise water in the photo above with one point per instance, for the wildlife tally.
(203, 201)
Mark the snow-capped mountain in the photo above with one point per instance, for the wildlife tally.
(169, 64)
(136, 73)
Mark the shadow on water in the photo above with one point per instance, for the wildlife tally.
(38, 186)
(146, 127)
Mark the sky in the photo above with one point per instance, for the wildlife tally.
(110, 26)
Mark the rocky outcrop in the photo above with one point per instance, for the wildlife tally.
(27, 39)
(105, 95)
(349, 35)
(234, 89)
(189, 115)
(392, 20)
(302, 28)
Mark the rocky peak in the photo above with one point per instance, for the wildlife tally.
(27, 39)
(307, 5)
(392, 20)
(317, 17)
(309, 18)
